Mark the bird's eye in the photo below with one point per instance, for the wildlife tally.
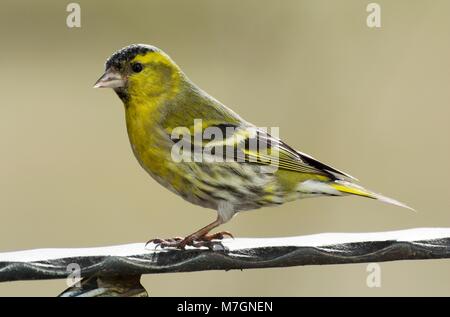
(136, 67)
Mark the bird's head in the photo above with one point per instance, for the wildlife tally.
(141, 71)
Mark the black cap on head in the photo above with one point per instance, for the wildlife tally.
(128, 53)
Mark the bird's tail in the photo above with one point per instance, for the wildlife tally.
(345, 187)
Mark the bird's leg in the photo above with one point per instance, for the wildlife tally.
(197, 239)
(200, 234)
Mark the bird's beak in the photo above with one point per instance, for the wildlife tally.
(110, 79)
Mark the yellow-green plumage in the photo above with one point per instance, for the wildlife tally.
(158, 98)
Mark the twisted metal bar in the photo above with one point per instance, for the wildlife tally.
(244, 253)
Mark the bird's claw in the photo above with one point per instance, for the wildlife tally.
(180, 243)
(163, 243)
(217, 236)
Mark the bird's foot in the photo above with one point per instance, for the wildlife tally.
(208, 241)
(164, 243)
(216, 236)
(212, 240)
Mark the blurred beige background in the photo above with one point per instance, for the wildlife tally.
(372, 102)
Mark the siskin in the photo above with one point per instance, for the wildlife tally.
(159, 98)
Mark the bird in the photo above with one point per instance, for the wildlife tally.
(160, 102)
